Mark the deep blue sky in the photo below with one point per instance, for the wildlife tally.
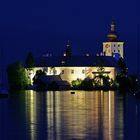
(45, 26)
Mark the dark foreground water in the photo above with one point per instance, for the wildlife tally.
(60, 115)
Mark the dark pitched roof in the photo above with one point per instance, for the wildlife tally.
(73, 61)
(50, 78)
(47, 79)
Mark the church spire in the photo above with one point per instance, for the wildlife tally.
(112, 36)
(113, 25)
(68, 51)
(113, 47)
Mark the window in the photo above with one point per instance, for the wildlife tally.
(114, 45)
(114, 51)
(119, 51)
(54, 72)
(45, 69)
(72, 71)
(62, 72)
(83, 71)
(62, 62)
(118, 45)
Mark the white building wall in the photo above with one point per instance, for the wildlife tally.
(107, 49)
(113, 47)
(72, 73)
(68, 73)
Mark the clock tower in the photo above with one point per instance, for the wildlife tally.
(113, 47)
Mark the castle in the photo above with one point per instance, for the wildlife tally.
(69, 67)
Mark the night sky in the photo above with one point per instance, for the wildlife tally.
(45, 26)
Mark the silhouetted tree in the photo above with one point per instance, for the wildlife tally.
(122, 76)
(87, 84)
(30, 62)
(122, 67)
(36, 79)
(17, 77)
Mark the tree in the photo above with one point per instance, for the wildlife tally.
(36, 79)
(133, 82)
(76, 83)
(98, 80)
(30, 60)
(87, 84)
(102, 79)
(122, 76)
(17, 77)
(122, 67)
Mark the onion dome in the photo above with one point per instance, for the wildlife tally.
(112, 36)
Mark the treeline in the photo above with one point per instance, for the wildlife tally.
(103, 82)
(123, 82)
(18, 80)
(17, 75)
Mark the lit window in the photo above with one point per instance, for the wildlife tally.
(83, 71)
(72, 71)
(62, 62)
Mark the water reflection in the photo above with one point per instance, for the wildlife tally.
(132, 118)
(31, 112)
(85, 115)
(61, 115)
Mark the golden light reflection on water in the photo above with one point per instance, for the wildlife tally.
(83, 115)
(31, 112)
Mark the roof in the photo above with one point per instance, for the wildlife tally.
(53, 78)
(76, 61)
(50, 78)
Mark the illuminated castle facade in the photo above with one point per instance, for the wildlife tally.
(69, 67)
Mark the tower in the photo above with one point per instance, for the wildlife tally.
(113, 47)
(68, 51)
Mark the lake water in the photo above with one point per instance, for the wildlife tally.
(60, 115)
